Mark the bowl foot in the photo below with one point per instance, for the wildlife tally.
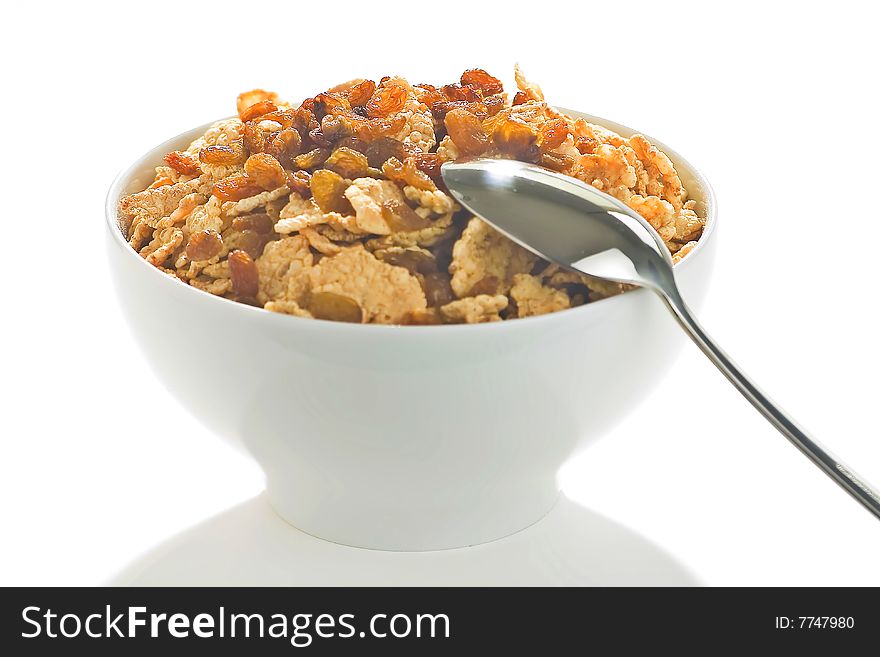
(414, 523)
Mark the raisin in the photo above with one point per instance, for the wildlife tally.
(477, 77)
(353, 143)
(244, 274)
(283, 117)
(204, 245)
(253, 242)
(438, 289)
(556, 161)
(486, 285)
(407, 173)
(378, 128)
(253, 137)
(520, 97)
(257, 110)
(413, 260)
(552, 134)
(299, 182)
(285, 146)
(330, 103)
(379, 150)
(459, 92)
(401, 218)
(312, 159)
(386, 100)
(224, 155)
(328, 188)
(182, 163)
(467, 132)
(304, 120)
(236, 188)
(360, 93)
(586, 145)
(259, 222)
(515, 138)
(348, 163)
(335, 307)
(429, 164)
(335, 127)
(265, 170)
(427, 94)
(493, 104)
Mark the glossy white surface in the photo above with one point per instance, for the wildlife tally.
(249, 545)
(403, 438)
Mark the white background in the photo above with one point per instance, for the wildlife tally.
(776, 103)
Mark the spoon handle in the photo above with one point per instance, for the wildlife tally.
(842, 474)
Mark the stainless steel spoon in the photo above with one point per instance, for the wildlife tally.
(576, 226)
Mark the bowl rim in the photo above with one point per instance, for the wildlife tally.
(122, 178)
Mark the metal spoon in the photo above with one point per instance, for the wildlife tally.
(576, 226)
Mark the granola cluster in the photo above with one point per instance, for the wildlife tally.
(335, 209)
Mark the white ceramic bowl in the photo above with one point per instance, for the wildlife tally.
(404, 438)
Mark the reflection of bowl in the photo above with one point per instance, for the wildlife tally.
(403, 438)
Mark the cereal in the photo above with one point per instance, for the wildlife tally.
(335, 208)
(475, 310)
(533, 298)
(483, 252)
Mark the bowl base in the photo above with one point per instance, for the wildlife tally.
(403, 528)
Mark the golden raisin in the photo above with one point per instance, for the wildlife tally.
(259, 222)
(467, 132)
(182, 163)
(312, 159)
(252, 242)
(556, 161)
(386, 100)
(477, 77)
(380, 127)
(336, 127)
(244, 274)
(493, 105)
(486, 285)
(284, 117)
(331, 103)
(257, 110)
(429, 164)
(285, 146)
(459, 92)
(515, 138)
(223, 155)
(204, 245)
(552, 134)
(438, 289)
(407, 173)
(235, 188)
(298, 182)
(413, 260)
(254, 140)
(520, 97)
(586, 145)
(328, 188)
(427, 94)
(348, 163)
(360, 93)
(265, 170)
(335, 307)
(379, 150)
(401, 218)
